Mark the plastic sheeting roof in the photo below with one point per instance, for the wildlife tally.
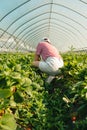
(24, 22)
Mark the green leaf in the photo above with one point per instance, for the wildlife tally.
(26, 82)
(17, 97)
(17, 67)
(16, 75)
(5, 93)
(82, 107)
(8, 122)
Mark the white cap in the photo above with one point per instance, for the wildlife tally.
(45, 39)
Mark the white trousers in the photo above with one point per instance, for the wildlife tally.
(51, 65)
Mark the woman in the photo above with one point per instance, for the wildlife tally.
(47, 58)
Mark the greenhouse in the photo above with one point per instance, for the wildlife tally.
(27, 101)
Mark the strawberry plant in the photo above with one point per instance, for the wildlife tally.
(30, 103)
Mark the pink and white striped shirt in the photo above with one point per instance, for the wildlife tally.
(45, 50)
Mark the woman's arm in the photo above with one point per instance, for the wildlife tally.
(36, 60)
(37, 57)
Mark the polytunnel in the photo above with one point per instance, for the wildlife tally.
(46, 90)
(24, 22)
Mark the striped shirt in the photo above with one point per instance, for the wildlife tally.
(45, 50)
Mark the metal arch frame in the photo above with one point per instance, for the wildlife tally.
(63, 27)
(62, 15)
(55, 23)
(71, 27)
(18, 28)
(36, 35)
(31, 34)
(19, 39)
(23, 30)
(24, 15)
(70, 19)
(55, 34)
(12, 34)
(37, 8)
(70, 9)
(72, 35)
(34, 38)
(28, 44)
(57, 30)
(46, 13)
(27, 22)
(32, 25)
(22, 38)
(53, 3)
(14, 9)
(7, 38)
(83, 1)
(52, 19)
